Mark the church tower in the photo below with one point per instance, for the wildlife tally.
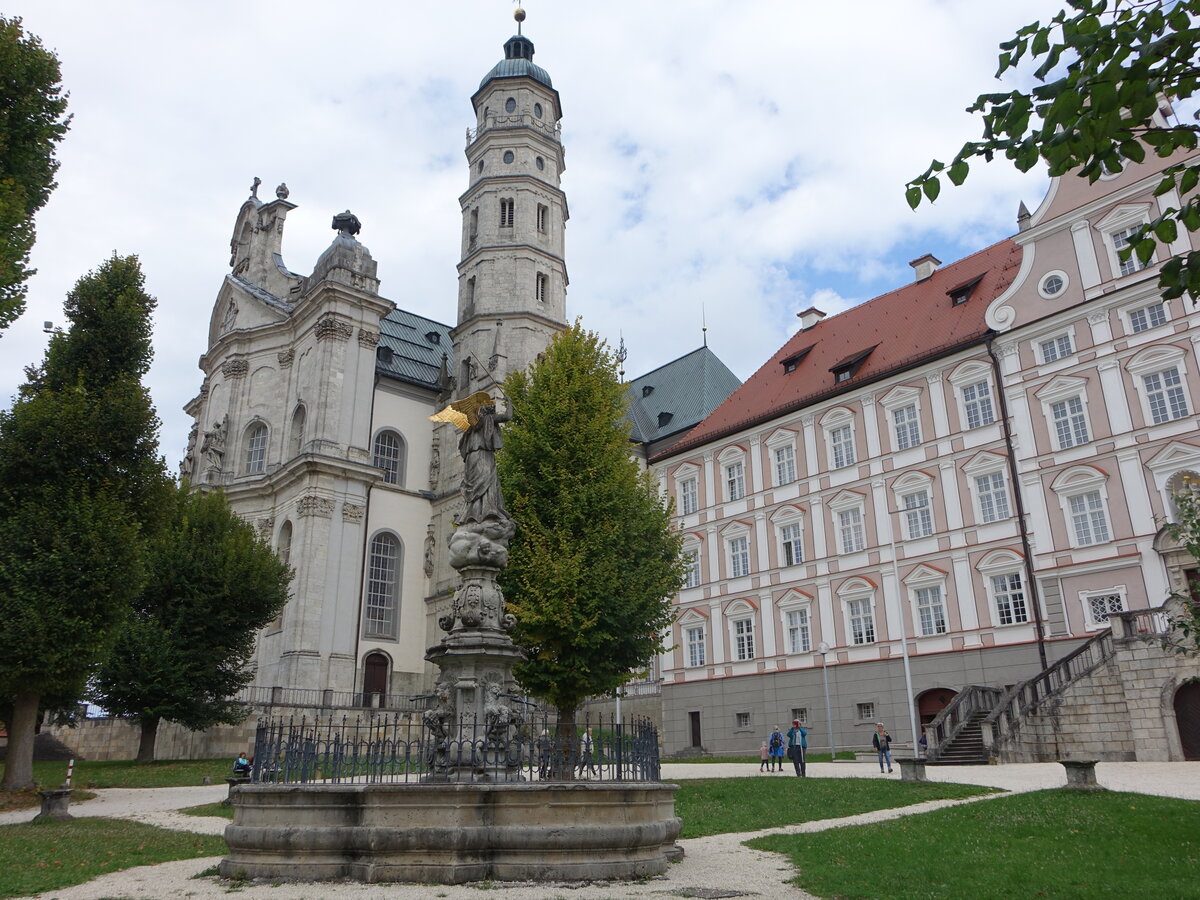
(512, 279)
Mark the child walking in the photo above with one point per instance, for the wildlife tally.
(762, 757)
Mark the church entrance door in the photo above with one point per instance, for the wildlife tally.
(1187, 717)
(375, 678)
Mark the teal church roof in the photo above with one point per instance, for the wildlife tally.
(678, 395)
(518, 63)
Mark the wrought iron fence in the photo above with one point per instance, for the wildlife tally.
(400, 749)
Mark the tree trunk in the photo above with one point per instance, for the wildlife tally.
(18, 763)
(149, 736)
(568, 737)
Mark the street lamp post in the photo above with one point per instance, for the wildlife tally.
(823, 649)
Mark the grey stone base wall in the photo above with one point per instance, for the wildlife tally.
(450, 834)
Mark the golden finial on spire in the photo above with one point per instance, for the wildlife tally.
(519, 15)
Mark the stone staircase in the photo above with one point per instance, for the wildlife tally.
(965, 748)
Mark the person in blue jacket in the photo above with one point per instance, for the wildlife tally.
(775, 746)
(798, 747)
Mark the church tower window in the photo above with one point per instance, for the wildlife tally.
(256, 449)
(543, 216)
(542, 284)
(507, 209)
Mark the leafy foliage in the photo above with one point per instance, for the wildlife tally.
(186, 648)
(32, 122)
(80, 483)
(595, 560)
(1105, 68)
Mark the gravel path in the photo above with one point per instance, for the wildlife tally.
(714, 867)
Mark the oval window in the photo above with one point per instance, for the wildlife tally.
(508, 156)
(480, 166)
(541, 163)
(1053, 284)
(510, 105)
(537, 110)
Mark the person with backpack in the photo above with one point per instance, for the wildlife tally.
(798, 747)
(775, 746)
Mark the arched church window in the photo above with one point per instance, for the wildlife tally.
(298, 418)
(383, 583)
(256, 449)
(389, 456)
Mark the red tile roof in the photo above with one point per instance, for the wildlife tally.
(901, 328)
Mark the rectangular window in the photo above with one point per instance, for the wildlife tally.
(1101, 606)
(908, 429)
(1148, 317)
(543, 217)
(785, 464)
(1164, 391)
(1088, 518)
(691, 569)
(799, 639)
(689, 500)
(739, 557)
(1056, 348)
(743, 720)
(841, 444)
(850, 530)
(866, 712)
(1070, 423)
(800, 713)
(993, 498)
(473, 230)
(743, 639)
(793, 548)
(931, 610)
(1120, 240)
(862, 621)
(735, 481)
(1010, 599)
(694, 639)
(543, 286)
(507, 211)
(917, 520)
(977, 401)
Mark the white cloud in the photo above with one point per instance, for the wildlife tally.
(744, 159)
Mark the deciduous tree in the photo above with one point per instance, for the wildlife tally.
(595, 560)
(32, 122)
(185, 650)
(1105, 68)
(80, 483)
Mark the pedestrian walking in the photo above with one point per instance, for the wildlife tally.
(882, 742)
(763, 756)
(798, 747)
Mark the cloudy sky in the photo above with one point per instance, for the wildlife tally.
(729, 161)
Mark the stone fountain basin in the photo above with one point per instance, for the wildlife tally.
(452, 833)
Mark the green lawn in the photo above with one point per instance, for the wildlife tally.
(718, 805)
(52, 855)
(224, 811)
(1058, 844)
(128, 774)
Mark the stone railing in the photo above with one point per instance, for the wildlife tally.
(329, 699)
(1025, 698)
(1140, 624)
(971, 700)
(515, 120)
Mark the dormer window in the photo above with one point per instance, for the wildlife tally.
(792, 362)
(647, 390)
(960, 294)
(846, 369)
(664, 419)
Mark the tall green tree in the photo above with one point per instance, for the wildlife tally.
(186, 648)
(595, 560)
(1104, 68)
(81, 482)
(32, 122)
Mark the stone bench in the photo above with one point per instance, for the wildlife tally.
(233, 781)
(1081, 774)
(911, 769)
(54, 805)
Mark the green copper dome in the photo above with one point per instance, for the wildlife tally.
(518, 63)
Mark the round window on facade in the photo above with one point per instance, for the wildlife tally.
(541, 163)
(1052, 284)
(510, 105)
(508, 156)
(537, 110)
